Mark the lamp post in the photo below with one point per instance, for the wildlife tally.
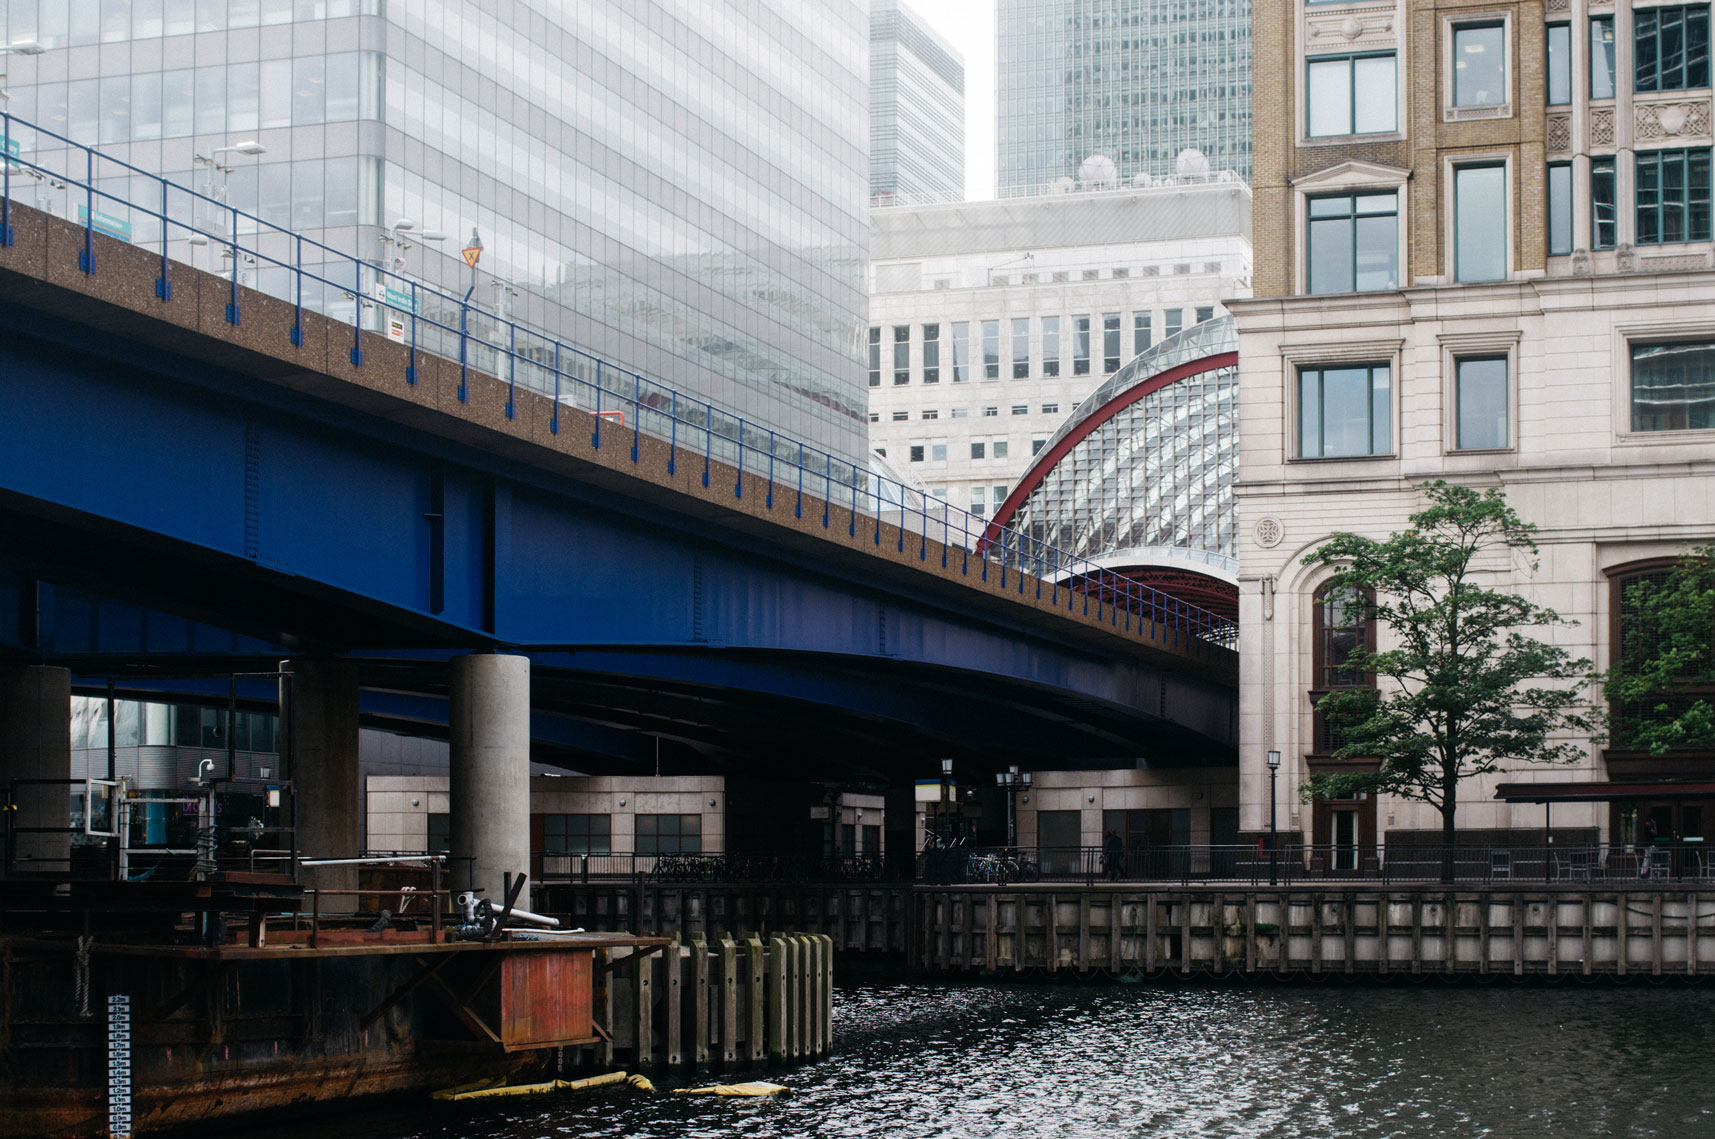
(1273, 832)
(945, 823)
(396, 238)
(211, 162)
(1012, 782)
(18, 47)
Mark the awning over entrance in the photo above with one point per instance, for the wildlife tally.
(1608, 792)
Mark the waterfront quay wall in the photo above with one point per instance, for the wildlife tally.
(1350, 929)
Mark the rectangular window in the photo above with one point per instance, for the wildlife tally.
(1021, 409)
(1343, 411)
(1673, 196)
(979, 450)
(990, 412)
(1080, 346)
(1481, 400)
(875, 357)
(875, 417)
(1559, 209)
(1559, 64)
(961, 413)
(1021, 348)
(961, 352)
(1353, 243)
(440, 833)
(1050, 346)
(999, 495)
(931, 353)
(1205, 312)
(1110, 343)
(930, 413)
(979, 500)
(1479, 223)
(669, 834)
(1351, 94)
(1037, 445)
(1604, 207)
(916, 452)
(938, 454)
(902, 353)
(1479, 65)
(991, 349)
(901, 416)
(1671, 47)
(1173, 320)
(1050, 409)
(1673, 386)
(999, 451)
(1139, 333)
(1601, 57)
(576, 834)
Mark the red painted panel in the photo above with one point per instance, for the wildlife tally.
(545, 997)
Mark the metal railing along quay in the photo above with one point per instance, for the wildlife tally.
(1296, 864)
(109, 196)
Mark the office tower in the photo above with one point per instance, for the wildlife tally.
(916, 110)
(1136, 82)
(677, 187)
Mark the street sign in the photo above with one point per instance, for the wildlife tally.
(472, 254)
(12, 150)
(393, 298)
(105, 223)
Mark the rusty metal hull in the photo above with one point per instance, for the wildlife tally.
(221, 1033)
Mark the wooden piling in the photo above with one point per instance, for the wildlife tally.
(755, 1030)
(729, 1001)
(779, 1042)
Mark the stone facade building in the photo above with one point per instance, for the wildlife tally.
(1483, 252)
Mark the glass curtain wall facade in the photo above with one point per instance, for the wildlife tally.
(917, 110)
(1135, 80)
(1159, 471)
(678, 187)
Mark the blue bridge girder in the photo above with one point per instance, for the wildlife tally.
(156, 480)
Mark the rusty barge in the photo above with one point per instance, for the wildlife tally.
(127, 1008)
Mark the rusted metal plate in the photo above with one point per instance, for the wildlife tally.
(545, 998)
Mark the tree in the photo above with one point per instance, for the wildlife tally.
(1665, 673)
(1454, 695)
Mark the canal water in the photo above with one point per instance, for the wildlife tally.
(1330, 1059)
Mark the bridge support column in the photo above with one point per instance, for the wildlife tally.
(489, 784)
(35, 743)
(318, 711)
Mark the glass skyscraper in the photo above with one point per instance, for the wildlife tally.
(917, 110)
(676, 185)
(1137, 81)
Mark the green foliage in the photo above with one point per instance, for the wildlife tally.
(1460, 689)
(1667, 652)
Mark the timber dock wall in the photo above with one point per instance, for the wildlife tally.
(728, 1004)
(855, 917)
(1417, 930)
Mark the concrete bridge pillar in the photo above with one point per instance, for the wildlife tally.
(318, 715)
(489, 784)
(35, 743)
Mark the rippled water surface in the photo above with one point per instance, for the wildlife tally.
(1135, 1060)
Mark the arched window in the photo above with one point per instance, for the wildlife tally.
(1340, 628)
(1632, 633)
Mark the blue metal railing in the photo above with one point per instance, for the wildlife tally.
(320, 278)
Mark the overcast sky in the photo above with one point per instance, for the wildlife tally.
(969, 26)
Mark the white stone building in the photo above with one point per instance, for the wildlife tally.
(1587, 433)
(990, 321)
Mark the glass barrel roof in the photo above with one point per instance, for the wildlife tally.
(1158, 472)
